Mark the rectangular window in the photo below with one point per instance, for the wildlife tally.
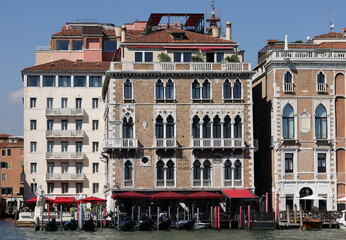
(3, 164)
(33, 187)
(64, 124)
(3, 177)
(9, 152)
(50, 125)
(33, 125)
(64, 146)
(79, 168)
(110, 46)
(95, 146)
(32, 102)
(95, 125)
(62, 45)
(64, 188)
(50, 187)
(21, 191)
(64, 81)
(95, 103)
(33, 146)
(79, 187)
(177, 57)
(3, 152)
(321, 161)
(49, 81)
(49, 102)
(219, 57)
(79, 124)
(33, 81)
(50, 147)
(64, 167)
(289, 201)
(79, 81)
(21, 164)
(50, 167)
(77, 45)
(78, 103)
(148, 56)
(95, 167)
(95, 187)
(187, 56)
(288, 162)
(138, 57)
(33, 167)
(95, 81)
(63, 102)
(79, 146)
(22, 177)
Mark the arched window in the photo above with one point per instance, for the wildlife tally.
(227, 89)
(237, 89)
(170, 170)
(320, 77)
(237, 170)
(227, 127)
(288, 77)
(159, 127)
(206, 90)
(288, 122)
(237, 127)
(196, 170)
(217, 127)
(127, 89)
(206, 127)
(170, 127)
(195, 90)
(228, 170)
(195, 127)
(159, 170)
(169, 89)
(206, 170)
(159, 89)
(128, 170)
(127, 127)
(321, 122)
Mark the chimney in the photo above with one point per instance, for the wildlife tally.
(117, 31)
(344, 32)
(228, 31)
(123, 34)
(216, 32)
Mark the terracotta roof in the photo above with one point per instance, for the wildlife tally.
(64, 64)
(78, 32)
(330, 35)
(3, 135)
(164, 36)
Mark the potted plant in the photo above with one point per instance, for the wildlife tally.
(163, 57)
(198, 57)
(233, 58)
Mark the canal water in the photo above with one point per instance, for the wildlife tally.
(9, 231)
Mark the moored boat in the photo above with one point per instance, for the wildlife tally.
(202, 225)
(51, 226)
(312, 223)
(144, 225)
(70, 225)
(342, 221)
(89, 226)
(183, 225)
(126, 225)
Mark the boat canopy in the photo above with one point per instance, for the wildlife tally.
(238, 193)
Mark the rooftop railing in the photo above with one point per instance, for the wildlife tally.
(284, 55)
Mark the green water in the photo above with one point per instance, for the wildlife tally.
(8, 231)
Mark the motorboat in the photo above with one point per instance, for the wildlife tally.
(183, 225)
(202, 225)
(51, 226)
(312, 223)
(342, 221)
(70, 225)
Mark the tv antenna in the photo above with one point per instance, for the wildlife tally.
(331, 25)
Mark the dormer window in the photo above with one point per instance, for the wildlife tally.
(178, 36)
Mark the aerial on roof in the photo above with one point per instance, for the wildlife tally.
(64, 64)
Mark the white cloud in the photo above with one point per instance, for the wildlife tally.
(16, 96)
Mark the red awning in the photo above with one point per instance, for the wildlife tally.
(144, 46)
(215, 48)
(64, 200)
(91, 200)
(168, 195)
(130, 195)
(181, 47)
(205, 195)
(238, 193)
(34, 200)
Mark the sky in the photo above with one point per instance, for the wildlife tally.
(27, 24)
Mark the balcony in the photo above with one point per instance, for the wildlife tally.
(64, 155)
(110, 143)
(165, 143)
(321, 87)
(217, 143)
(198, 183)
(128, 183)
(65, 176)
(161, 183)
(288, 88)
(172, 67)
(307, 55)
(64, 134)
(65, 112)
(228, 183)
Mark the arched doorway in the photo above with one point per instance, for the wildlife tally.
(305, 204)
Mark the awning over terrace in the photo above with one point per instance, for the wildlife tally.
(238, 193)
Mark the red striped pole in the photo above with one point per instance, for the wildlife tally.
(240, 220)
(266, 202)
(249, 218)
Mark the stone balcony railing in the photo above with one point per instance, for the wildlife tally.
(120, 143)
(64, 155)
(165, 143)
(64, 111)
(288, 87)
(64, 133)
(321, 87)
(217, 142)
(65, 176)
(191, 66)
(308, 55)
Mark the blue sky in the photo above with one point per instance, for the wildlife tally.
(26, 24)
